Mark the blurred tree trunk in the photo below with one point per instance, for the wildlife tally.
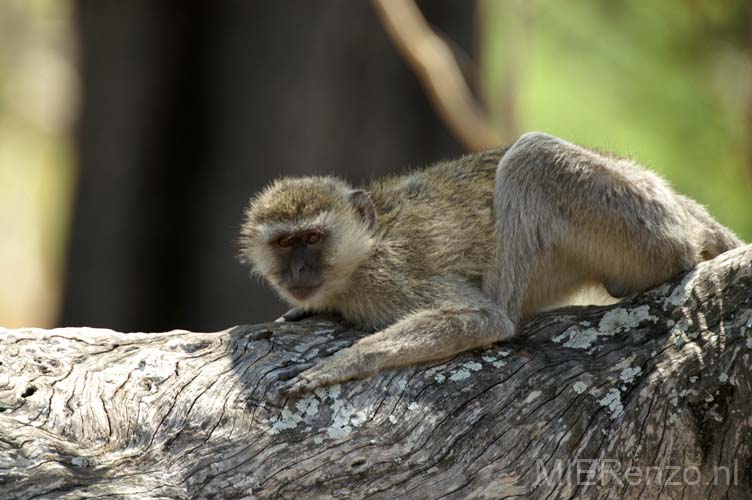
(190, 107)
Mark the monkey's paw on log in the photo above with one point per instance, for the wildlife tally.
(651, 398)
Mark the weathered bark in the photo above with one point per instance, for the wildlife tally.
(661, 383)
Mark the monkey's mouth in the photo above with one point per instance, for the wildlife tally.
(302, 292)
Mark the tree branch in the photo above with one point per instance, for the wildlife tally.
(660, 384)
(436, 68)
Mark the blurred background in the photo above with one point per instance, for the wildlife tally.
(133, 132)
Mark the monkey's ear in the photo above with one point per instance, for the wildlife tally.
(363, 206)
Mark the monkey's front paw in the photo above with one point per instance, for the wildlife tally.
(294, 315)
(308, 381)
(298, 386)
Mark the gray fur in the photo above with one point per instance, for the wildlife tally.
(463, 250)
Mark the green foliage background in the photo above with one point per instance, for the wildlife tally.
(668, 82)
(665, 82)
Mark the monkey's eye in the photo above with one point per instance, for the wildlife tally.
(313, 237)
(284, 241)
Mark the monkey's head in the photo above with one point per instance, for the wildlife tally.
(306, 237)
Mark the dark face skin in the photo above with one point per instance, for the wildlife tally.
(300, 268)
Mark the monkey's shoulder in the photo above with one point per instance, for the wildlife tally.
(447, 183)
(438, 220)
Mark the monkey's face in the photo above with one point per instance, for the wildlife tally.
(306, 237)
(299, 267)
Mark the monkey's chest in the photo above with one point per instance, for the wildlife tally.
(376, 310)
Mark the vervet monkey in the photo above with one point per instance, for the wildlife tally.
(450, 258)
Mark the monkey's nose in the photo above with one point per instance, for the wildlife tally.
(296, 269)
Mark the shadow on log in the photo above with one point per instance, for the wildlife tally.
(650, 398)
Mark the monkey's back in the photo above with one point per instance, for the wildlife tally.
(439, 220)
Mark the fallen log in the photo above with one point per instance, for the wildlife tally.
(649, 398)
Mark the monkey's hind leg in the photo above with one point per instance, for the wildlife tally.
(567, 216)
(714, 237)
